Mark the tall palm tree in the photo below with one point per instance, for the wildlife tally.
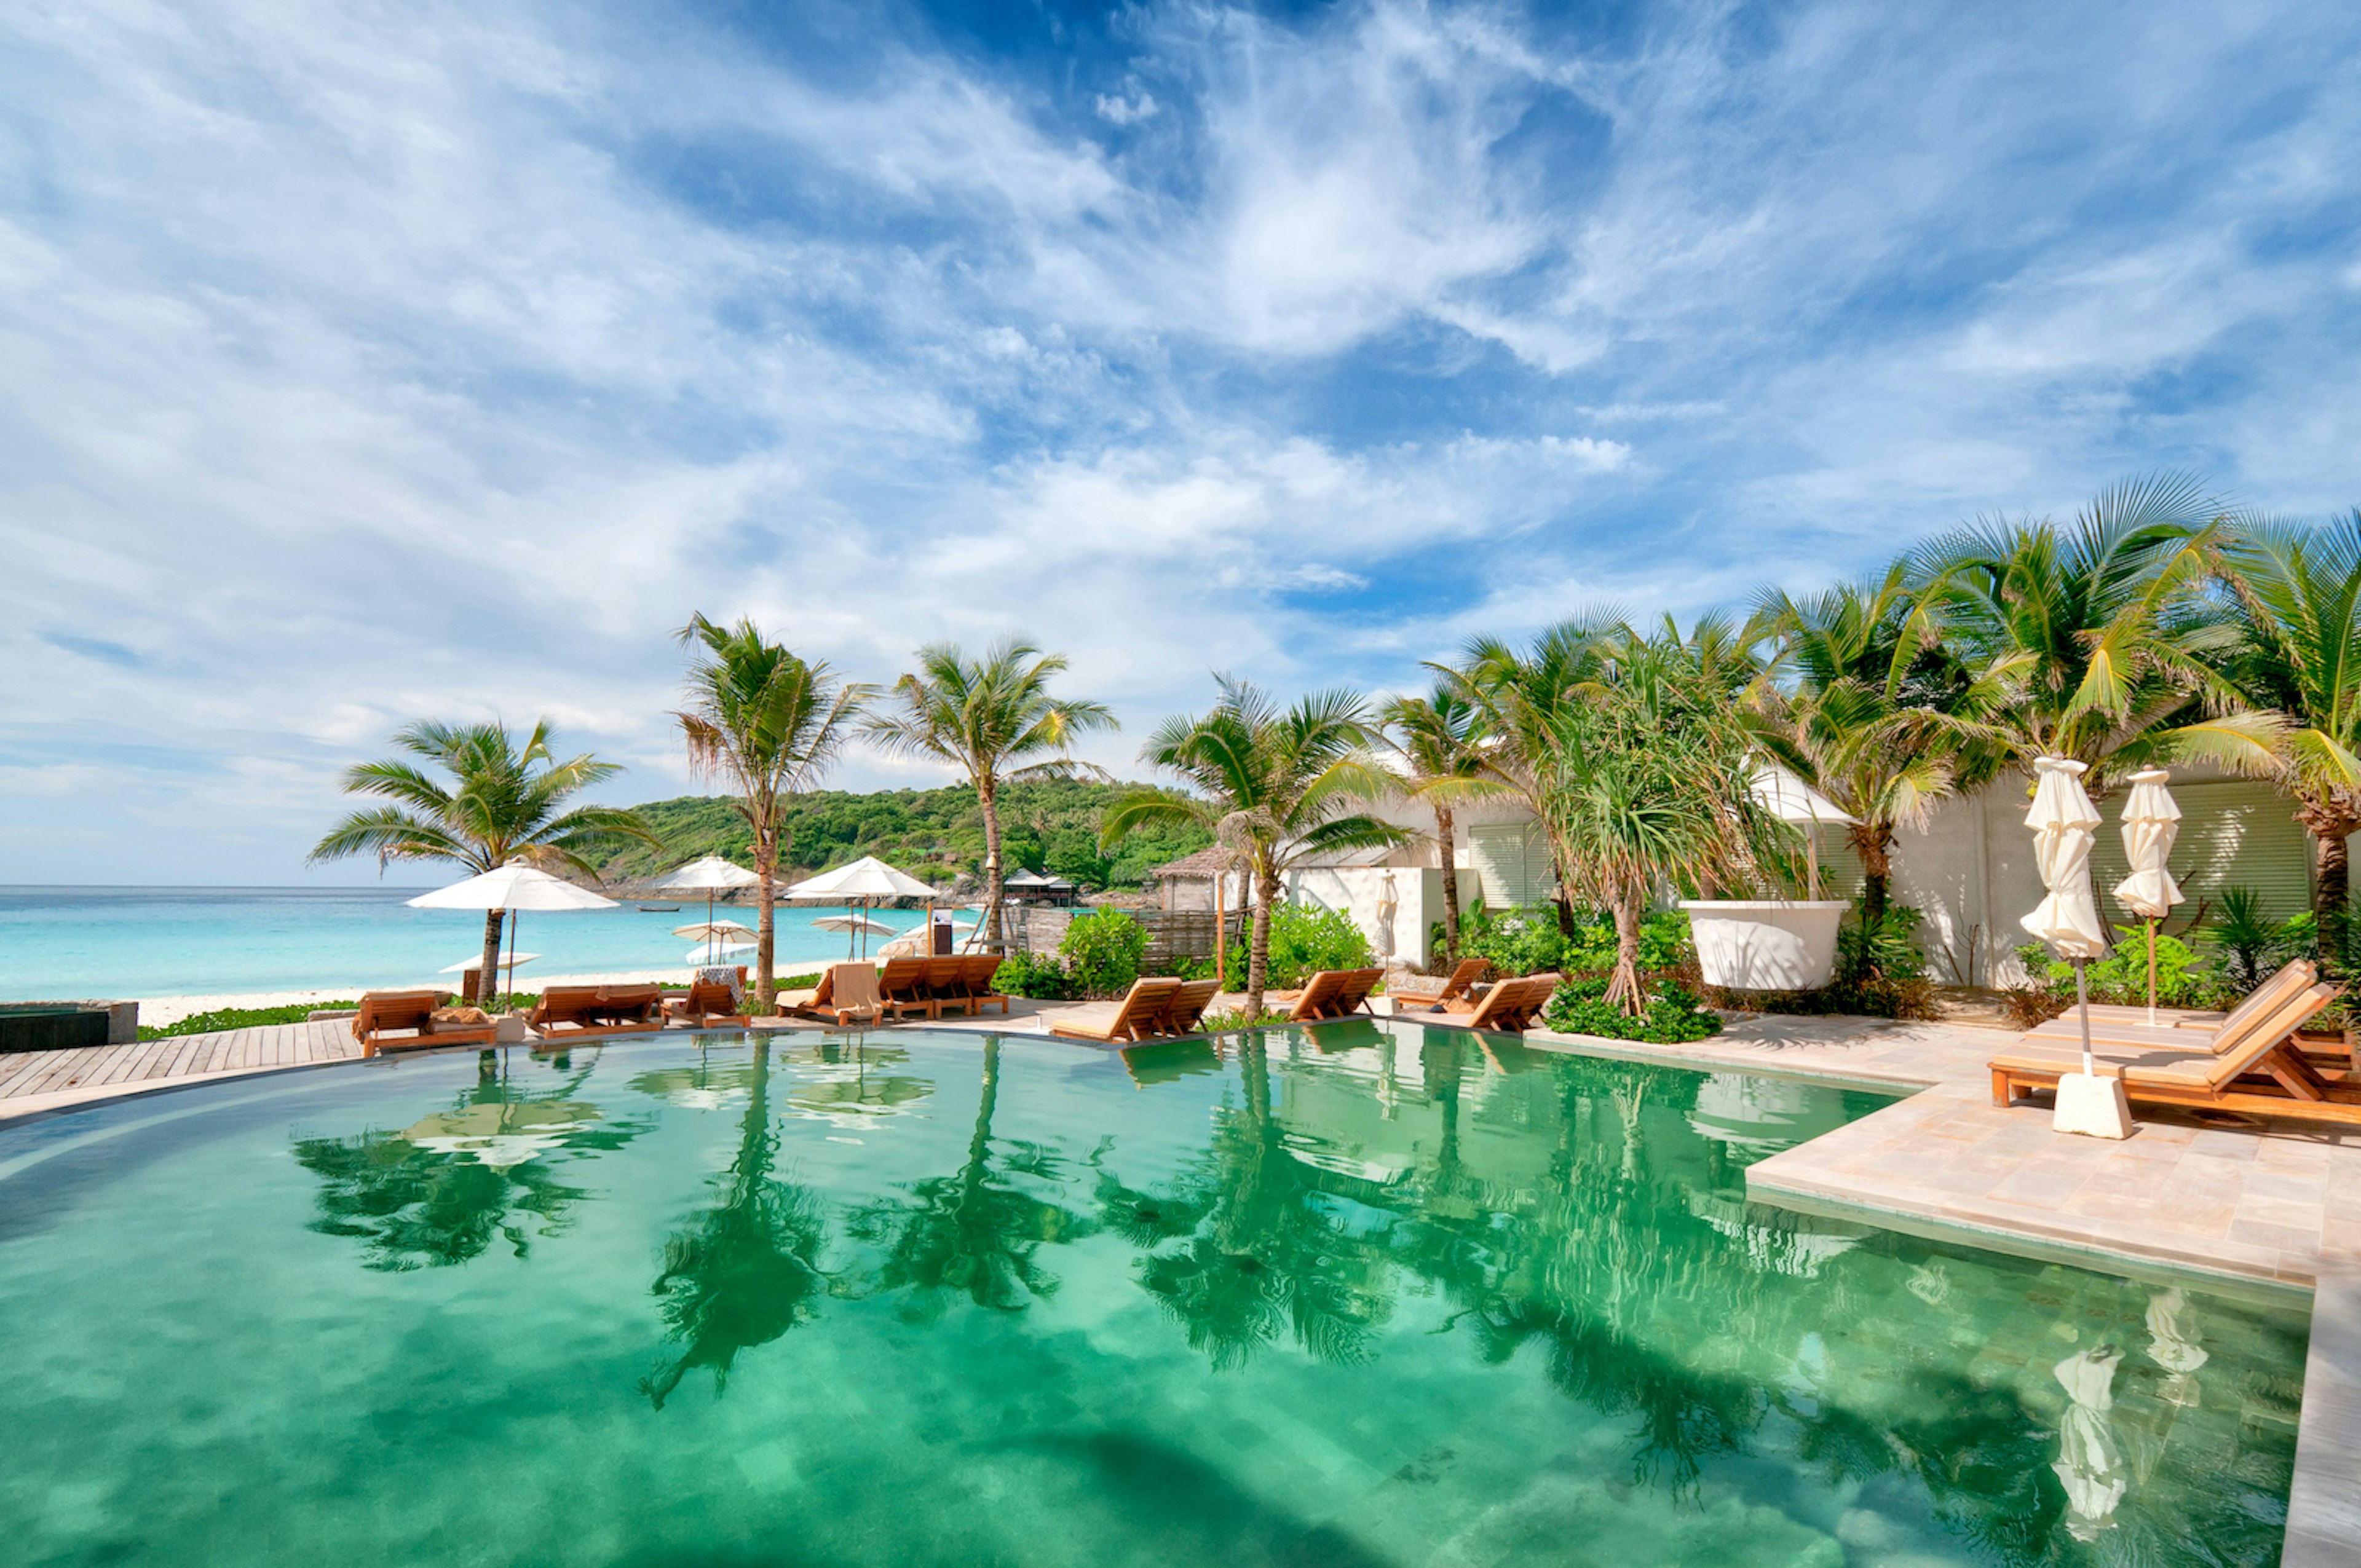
(2297, 592)
(1524, 696)
(994, 720)
(1855, 684)
(1646, 782)
(1436, 736)
(2096, 640)
(505, 802)
(1272, 784)
(771, 724)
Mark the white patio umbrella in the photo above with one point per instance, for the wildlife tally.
(852, 925)
(717, 951)
(1793, 801)
(475, 960)
(2151, 822)
(709, 876)
(512, 888)
(2065, 826)
(714, 931)
(864, 880)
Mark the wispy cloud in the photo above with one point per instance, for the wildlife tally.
(357, 365)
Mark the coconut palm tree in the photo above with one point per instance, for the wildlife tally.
(2296, 593)
(1273, 786)
(1436, 739)
(505, 802)
(771, 724)
(2097, 639)
(1853, 679)
(994, 720)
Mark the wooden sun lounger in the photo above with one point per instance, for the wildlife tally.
(1511, 1005)
(945, 985)
(1334, 993)
(1137, 1017)
(902, 984)
(2130, 1024)
(848, 994)
(582, 1012)
(1185, 1014)
(2264, 1073)
(980, 969)
(1434, 992)
(707, 1004)
(399, 1020)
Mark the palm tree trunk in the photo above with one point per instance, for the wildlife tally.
(1623, 989)
(1874, 842)
(1258, 953)
(487, 979)
(766, 879)
(987, 797)
(1442, 827)
(2329, 822)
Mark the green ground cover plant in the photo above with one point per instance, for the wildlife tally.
(1674, 1012)
(1304, 939)
(222, 1018)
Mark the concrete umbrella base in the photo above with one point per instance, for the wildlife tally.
(2093, 1107)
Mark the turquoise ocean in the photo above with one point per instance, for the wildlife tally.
(134, 942)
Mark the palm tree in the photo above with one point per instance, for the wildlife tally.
(1853, 682)
(2096, 640)
(1523, 698)
(2297, 592)
(504, 804)
(1273, 786)
(1646, 782)
(770, 723)
(983, 716)
(1436, 738)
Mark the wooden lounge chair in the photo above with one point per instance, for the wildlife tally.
(1185, 1015)
(1334, 993)
(902, 984)
(1138, 1016)
(980, 969)
(945, 985)
(848, 994)
(706, 1004)
(399, 1020)
(2261, 1073)
(584, 1011)
(1433, 993)
(2225, 1032)
(1511, 1005)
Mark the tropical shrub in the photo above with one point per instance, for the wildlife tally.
(1040, 976)
(1528, 941)
(2246, 943)
(222, 1018)
(1102, 949)
(1222, 1023)
(1304, 939)
(1674, 1012)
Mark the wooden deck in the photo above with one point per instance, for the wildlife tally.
(41, 1080)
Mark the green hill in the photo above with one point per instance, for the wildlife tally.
(933, 834)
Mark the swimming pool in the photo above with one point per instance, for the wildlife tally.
(1367, 1294)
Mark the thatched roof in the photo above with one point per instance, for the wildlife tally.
(1206, 864)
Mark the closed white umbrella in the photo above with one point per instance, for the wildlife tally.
(2065, 826)
(512, 888)
(2151, 822)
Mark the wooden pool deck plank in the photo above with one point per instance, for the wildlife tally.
(48, 1081)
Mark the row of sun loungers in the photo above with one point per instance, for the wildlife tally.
(2247, 1061)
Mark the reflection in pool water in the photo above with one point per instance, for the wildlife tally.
(1365, 1294)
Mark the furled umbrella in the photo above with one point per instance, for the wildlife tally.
(1797, 804)
(512, 888)
(2151, 822)
(2065, 826)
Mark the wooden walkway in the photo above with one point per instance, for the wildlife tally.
(41, 1080)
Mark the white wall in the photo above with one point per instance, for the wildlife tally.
(1358, 893)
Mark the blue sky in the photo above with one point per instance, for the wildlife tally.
(359, 364)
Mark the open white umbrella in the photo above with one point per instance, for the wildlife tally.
(475, 960)
(2151, 822)
(709, 876)
(1793, 801)
(864, 880)
(512, 888)
(711, 954)
(714, 931)
(2065, 826)
(853, 925)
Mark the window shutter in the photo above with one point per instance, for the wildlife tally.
(1512, 861)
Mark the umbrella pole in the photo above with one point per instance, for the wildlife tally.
(2151, 971)
(2082, 1002)
(1221, 948)
(516, 918)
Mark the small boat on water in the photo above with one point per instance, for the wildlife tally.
(657, 908)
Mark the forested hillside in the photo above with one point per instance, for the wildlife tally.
(934, 834)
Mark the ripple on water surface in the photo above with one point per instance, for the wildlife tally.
(1367, 1294)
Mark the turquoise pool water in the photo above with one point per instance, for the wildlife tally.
(1370, 1294)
